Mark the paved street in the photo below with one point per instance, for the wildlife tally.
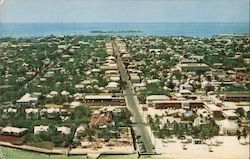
(133, 105)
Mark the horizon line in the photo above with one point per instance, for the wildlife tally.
(110, 22)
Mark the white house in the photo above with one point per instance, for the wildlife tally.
(112, 86)
(27, 101)
(41, 128)
(151, 98)
(64, 130)
(32, 113)
(13, 131)
(200, 121)
(228, 127)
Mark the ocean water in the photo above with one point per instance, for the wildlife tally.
(157, 29)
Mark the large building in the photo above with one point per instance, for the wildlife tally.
(27, 101)
(192, 67)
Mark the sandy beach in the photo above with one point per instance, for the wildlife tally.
(229, 149)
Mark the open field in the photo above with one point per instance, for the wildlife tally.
(9, 153)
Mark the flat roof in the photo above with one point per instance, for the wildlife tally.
(229, 113)
(157, 97)
(92, 97)
(212, 106)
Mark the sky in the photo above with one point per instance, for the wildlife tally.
(98, 11)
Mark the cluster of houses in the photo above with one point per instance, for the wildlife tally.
(192, 83)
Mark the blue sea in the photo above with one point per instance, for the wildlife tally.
(158, 29)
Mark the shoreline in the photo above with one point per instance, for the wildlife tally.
(36, 29)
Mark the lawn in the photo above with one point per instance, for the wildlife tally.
(10, 153)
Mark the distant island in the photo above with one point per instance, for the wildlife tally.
(115, 32)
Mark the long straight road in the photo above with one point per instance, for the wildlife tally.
(133, 104)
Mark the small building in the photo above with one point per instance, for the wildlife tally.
(185, 92)
(64, 130)
(208, 86)
(230, 114)
(101, 119)
(151, 98)
(135, 78)
(27, 101)
(186, 87)
(41, 128)
(52, 112)
(8, 113)
(112, 87)
(32, 113)
(193, 67)
(13, 131)
(228, 127)
(213, 110)
(200, 121)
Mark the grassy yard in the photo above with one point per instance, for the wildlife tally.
(10, 153)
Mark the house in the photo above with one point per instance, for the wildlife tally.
(135, 78)
(230, 114)
(74, 104)
(80, 129)
(7, 113)
(186, 87)
(228, 127)
(150, 99)
(193, 67)
(185, 92)
(13, 131)
(109, 66)
(112, 87)
(102, 118)
(27, 101)
(32, 113)
(208, 86)
(64, 130)
(65, 93)
(213, 109)
(52, 112)
(200, 121)
(41, 128)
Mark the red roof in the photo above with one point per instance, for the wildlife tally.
(101, 119)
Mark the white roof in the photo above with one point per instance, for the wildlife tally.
(31, 110)
(10, 129)
(75, 104)
(230, 113)
(212, 107)
(229, 124)
(112, 84)
(10, 110)
(153, 81)
(26, 98)
(157, 97)
(53, 93)
(65, 93)
(40, 128)
(52, 110)
(80, 128)
(142, 84)
(92, 97)
(64, 130)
